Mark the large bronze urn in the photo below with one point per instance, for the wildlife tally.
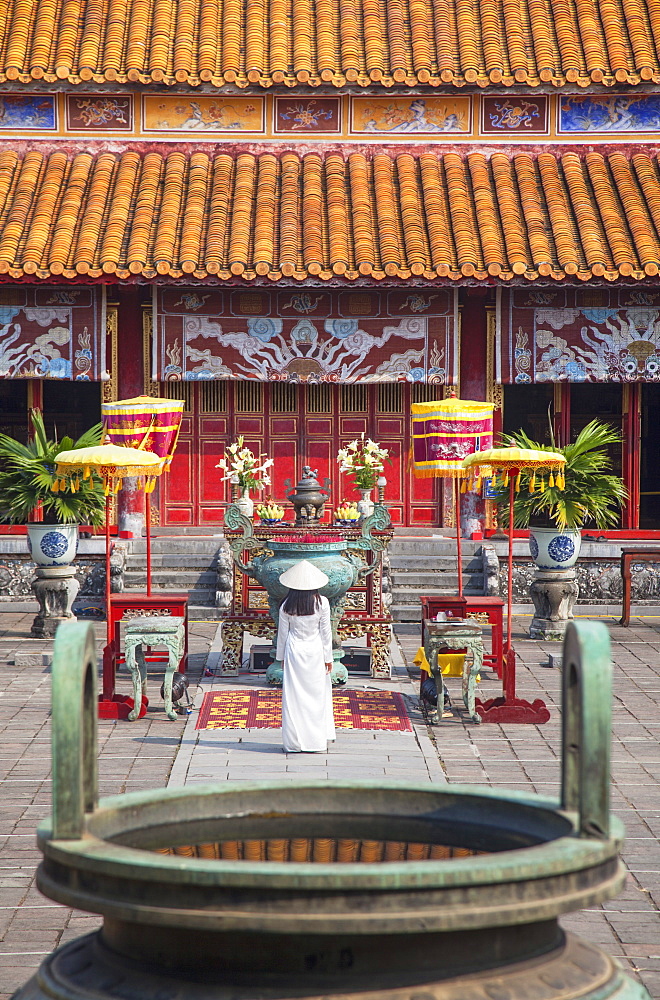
(262, 890)
(340, 562)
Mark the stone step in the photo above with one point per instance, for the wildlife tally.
(431, 563)
(172, 579)
(202, 598)
(186, 545)
(412, 595)
(431, 546)
(172, 560)
(204, 612)
(422, 580)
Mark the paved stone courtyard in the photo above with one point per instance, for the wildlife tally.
(155, 752)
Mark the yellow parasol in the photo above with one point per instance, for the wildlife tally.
(507, 464)
(113, 464)
(109, 461)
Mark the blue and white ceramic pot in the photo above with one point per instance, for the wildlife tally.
(52, 544)
(553, 549)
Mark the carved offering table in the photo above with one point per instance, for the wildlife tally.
(143, 633)
(482, 610)
(350, 557)
(458, 635)
(125, 607)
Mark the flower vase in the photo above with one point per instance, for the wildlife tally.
(365, 503)
(245, 503)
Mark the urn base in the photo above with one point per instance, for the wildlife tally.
(55, 588)
(86, 967)
(554, 592)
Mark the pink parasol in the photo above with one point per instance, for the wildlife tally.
(445, 432)
(145, 422)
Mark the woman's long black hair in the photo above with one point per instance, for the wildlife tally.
(301, 602)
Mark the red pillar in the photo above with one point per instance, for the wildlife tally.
(474, 382)
(130, 382)
(474, 330)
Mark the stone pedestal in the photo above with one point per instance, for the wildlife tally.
(554, 592)
(55, 588)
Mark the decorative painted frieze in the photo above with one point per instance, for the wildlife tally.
(52, 332)
(305, 336)
(583, 335)
(401, 118)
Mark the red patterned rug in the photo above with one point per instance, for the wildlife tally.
(262, 709)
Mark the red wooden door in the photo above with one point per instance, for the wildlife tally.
(296, 425)
(191, 493)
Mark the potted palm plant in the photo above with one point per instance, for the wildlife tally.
(592, 494)
(27, 478)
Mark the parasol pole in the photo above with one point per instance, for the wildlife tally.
(108, 659)
(459, 554)
(509, 600)
(107, 567)
(510, 668)
(147, 518)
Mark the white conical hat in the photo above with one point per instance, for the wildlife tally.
(303, 576)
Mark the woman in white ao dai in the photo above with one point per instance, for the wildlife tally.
(304, 645)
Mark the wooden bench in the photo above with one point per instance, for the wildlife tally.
(628, 557)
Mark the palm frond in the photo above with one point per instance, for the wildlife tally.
(27, 476)
(592, 493)
(38, 426)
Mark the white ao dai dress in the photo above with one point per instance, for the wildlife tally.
(304, 645)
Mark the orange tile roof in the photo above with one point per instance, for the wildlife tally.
(292, 42)
(430, 215)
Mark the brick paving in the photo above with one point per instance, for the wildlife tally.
(527, 757)
(132, 756)
(155, 752)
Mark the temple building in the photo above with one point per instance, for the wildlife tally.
(300, 216)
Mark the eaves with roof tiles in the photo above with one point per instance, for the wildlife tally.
(369, 215)
(367, 43)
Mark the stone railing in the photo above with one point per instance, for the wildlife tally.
(598, 574)
(17, 569)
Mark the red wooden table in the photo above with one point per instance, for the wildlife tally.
(628, 557)
(126, 606)
(490, 609)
